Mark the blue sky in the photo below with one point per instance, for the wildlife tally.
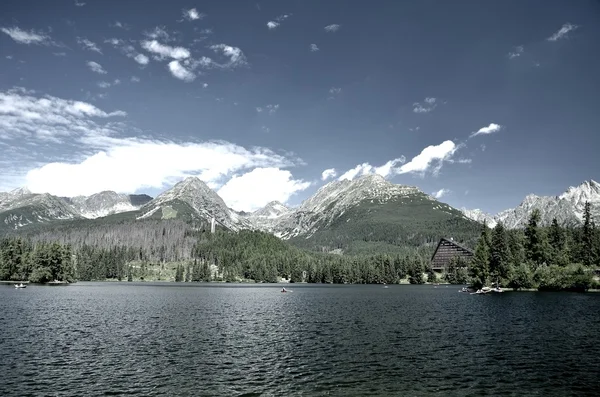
(260, 98)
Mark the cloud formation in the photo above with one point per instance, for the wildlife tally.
(165, 51)
(275, 24)
(493, 127)
(431, 156)
(517, 52)
(255, 189)
(96, 67)
(27, 117)
(88, 45)
(192, 14)
(428, 105)
(386, 170)
(129, 51)
(440, 193)
(328, 173)
(313, 48)
(102, 158)
(235, 55)
(562, 33)
(27, 37)
(332, 28)
(180, 72)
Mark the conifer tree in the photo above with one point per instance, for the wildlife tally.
(479, 271)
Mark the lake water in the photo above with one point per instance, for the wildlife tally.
(227, 340)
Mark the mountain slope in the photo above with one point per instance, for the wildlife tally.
(372, 213)
(567, 208)
(21, 208)
(192, 199)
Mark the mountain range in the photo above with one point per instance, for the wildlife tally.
(567, 208)
(342, 216)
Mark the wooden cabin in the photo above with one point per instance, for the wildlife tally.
(446, 250)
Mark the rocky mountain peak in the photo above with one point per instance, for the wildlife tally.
(273, 209)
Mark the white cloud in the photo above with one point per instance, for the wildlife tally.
(104, 84)
(88, 45)
(333, 91)
(428, 106)
(255, 189)
(493, 127)
(165, 51)
(387, 170)
(265, 129)
(159, 32)
(193, 14)
(96, 67)
(272, 108)
(25, 37)
(180, 72)
(141, 59)
(204, 85)
(274, 24)
(518, 51)
(79, 3)
(102, 158)
(28, 118)
(562, 32)
(121, 25)
(328, 173)
(429, 156)
(259, 109)
(129, 51)
(314, 48)
(332, 28)
(135, 79)
(440, 193)
(235, 55)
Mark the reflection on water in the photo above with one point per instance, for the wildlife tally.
(188, 339)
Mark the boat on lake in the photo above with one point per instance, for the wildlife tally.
(20, 285)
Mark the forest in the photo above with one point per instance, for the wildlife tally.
(550, 258)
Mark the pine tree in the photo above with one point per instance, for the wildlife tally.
(500, 254)
(479, 271)
(534, 239)
(587, 238)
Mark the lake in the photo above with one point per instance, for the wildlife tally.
(334, 340)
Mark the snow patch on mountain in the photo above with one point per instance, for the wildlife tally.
(567, 208)
(203, 200)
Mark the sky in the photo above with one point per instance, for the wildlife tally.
(478, 103)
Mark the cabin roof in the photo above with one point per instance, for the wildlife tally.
(452, 242)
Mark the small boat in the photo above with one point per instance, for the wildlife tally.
(284, 290)
(464, 289)
(20, 285)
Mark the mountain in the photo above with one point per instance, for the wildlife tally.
(192, 200)
(368, 214)
(267, 218)
(358, 215)
(106, 203)
(567, 208)
(21, 207)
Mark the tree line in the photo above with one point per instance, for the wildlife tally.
(552, 257)
(544, 258)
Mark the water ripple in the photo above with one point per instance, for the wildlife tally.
(177, 339)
